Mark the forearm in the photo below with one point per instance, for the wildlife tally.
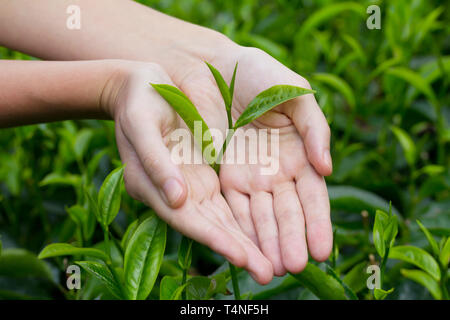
(120, 29)
(36, 91)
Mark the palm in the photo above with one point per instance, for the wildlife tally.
(271, 209)
(143, 130)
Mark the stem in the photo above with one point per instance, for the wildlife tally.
(183, 282)
(443, 284)
(383, 266)
(109, 263)
(230, 120)
(230, 134)
(234, 280)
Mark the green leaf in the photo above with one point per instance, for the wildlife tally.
(348, 291)
(81, 143)
(128, 233)
(20, 263)
(408, 145)
(356, 278)
(233, 80)
(223, 87)
(65, 249)
(417, 257)
(381, 294)
(109, 196)
(415, 80)
(185, 253)
(424, 279)
(188, 112)
(101, 272)
(83, 219)
(197, 288)
(381, 221)
(170, 288)
(1, 245)
(339, 84)
(431, 240)
(324, 286)
(445, 254)
(143, 257)
(61, 179)
(267, 100)
(351, 199)
(322, 15)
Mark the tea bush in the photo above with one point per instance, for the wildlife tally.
(385, 94)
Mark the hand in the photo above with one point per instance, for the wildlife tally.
(272, 210)
(188, 196)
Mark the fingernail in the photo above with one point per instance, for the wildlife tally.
(327, 159)
(172, 190)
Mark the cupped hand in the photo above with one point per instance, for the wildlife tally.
(273, 210)
(186, 196)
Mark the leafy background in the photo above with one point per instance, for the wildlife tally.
(384, 92)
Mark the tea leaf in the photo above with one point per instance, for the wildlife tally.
(381, 220)
(223, 87)
(65, 249)
(424, 279)
(267, 100)
(321, 284)
(431, 240)
(339, 84)
(381, 294)
(129, 233)
(408, 146)
(351, 199)
(445, 254)
(143, 257)
(101, 272)
(188, 112)
(417, 257)
(185, 253)
(109, 196)
(327, 12)
(170, 288)
(415, 80)
(20, 263)
(233, 80)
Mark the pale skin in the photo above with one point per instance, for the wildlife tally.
(260, 224)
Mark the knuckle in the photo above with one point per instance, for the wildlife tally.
(151, 163)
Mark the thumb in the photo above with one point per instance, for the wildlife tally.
(158, 165)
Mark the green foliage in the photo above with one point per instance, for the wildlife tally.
(143, 257)
(65, 249)
(101, 272)
(109, 197)
(417, 257)
(267, 100)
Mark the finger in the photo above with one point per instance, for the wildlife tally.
(261, 206)
(291, 226)
(186, 219)
(313, 195)
(240, 207)
(314, 130)
(157, 162)
(259, 267)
